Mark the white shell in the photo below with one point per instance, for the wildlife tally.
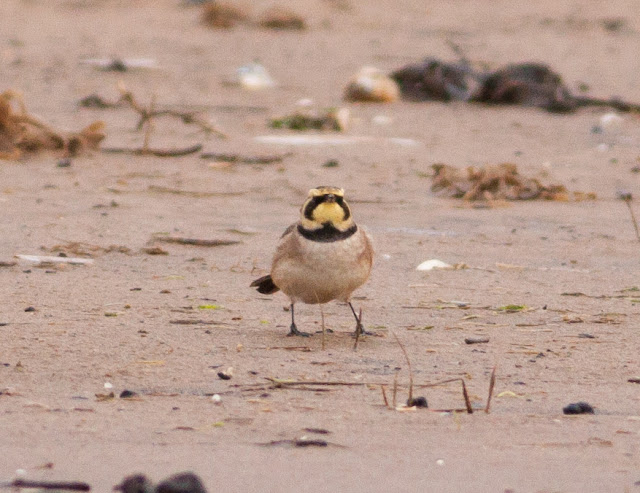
(433, 264)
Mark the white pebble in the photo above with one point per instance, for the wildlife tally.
(611, 120)
(108, 385)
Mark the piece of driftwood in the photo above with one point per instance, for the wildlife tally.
(142, 151)
(195, 241)
(237, 158)
(47, 485)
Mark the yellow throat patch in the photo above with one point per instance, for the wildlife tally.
(328, 212)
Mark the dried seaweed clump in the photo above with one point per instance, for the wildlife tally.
(223, 16)
(280, 18)
(434, 80)
(522, 84)
(22, 133)
(528, 84)
(497, 182)
(81, 249)
(333, 119)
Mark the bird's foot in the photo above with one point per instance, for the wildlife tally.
(295, 332)
(361, 332)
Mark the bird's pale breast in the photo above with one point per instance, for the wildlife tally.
(318, 272)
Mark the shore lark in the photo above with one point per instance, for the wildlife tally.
(324, 256)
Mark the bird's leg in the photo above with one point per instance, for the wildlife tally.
(359, 328)
(293, 329)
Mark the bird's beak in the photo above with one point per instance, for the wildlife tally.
(330, 198)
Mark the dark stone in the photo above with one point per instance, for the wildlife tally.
(137, 483)
(186, 482)
(418, 402)
(578, 408)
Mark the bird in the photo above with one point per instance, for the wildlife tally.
(322, 257)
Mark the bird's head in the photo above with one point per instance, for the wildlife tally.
(326, 206)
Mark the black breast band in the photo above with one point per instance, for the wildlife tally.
(327, 233)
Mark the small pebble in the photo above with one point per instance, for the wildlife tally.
(108, 385)
(578, 408)
(223, 375)
(127, 394)
(30, 309)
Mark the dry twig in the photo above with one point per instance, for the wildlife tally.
(395, 390)
(406, 357)
(384, 396)
(492, 383)
(627, 200)
(145, 114)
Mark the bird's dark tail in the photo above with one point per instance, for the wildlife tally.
(265, 285)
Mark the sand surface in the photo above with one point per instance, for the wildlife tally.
(115, 321)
